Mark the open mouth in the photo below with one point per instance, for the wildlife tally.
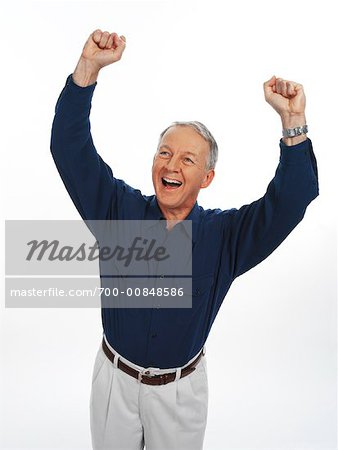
(170, 183)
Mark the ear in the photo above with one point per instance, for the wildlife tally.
(208, 178)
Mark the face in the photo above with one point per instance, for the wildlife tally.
(179, 169)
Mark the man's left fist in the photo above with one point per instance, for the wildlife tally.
(286, 97)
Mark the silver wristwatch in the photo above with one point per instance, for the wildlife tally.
(297, 131)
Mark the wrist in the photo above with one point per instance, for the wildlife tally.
(85, 73)
(293, 120)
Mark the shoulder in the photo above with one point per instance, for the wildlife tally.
(216, 214)
(215, 219)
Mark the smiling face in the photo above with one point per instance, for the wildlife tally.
(179, 170)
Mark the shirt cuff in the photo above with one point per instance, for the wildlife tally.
(295, 154)
(78, 95)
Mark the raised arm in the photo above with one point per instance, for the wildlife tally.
(256, 229)
(88, 179)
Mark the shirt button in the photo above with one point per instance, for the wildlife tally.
(162, 276)
(154, 335)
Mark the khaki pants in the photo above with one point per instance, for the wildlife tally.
(126, 414)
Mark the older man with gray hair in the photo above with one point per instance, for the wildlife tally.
(149, 384)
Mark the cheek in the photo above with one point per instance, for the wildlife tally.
(155, 171)
(157, 166)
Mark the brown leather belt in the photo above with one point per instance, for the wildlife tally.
(145, 377)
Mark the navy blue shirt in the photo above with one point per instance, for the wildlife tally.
(226, 243)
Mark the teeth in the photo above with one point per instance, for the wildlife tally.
(169, 180)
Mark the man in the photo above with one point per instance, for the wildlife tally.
(149, 384)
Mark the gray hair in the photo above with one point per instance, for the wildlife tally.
(203, 131)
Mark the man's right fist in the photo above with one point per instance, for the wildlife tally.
(103, 48)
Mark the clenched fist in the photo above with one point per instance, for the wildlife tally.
(100, 50)
(103, 48)
(286, 97)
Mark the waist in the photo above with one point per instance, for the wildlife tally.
(155, 370)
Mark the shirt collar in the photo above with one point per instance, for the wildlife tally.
(194, 215)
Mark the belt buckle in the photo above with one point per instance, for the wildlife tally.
(144, 372)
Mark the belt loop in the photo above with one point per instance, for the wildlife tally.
(116, 360)
(178, 373)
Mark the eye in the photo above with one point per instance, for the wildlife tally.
(163, 153)
(188, 160)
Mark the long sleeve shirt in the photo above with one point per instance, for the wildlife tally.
(226, 243)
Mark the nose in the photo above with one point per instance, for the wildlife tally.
(173, 164)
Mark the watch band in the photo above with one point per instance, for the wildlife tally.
(297, 131)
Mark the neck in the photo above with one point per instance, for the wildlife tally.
(174, 215)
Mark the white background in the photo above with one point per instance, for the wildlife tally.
(272, 350)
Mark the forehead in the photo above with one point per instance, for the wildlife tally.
(184, 138)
